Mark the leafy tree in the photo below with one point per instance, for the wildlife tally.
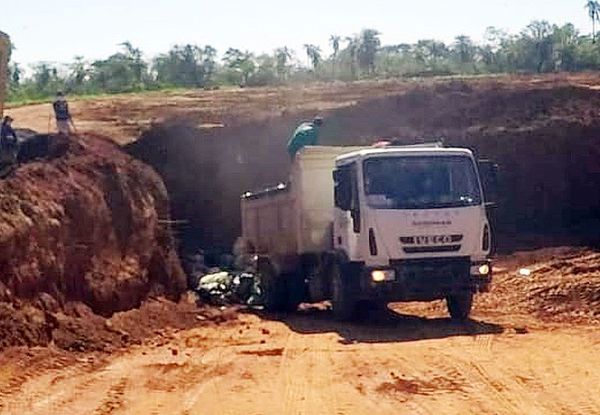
(464, 49)
(15, 72)
(136, 62)
(186, 66)
(79, 73)
(430, 53)
(241, 63)
(352, 52)
(282, 57)
(266, 71)
(565, 41)
(209, 63)
(368, 44)
(538, 45)
(42, 76)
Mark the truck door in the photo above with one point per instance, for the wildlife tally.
(347, 217)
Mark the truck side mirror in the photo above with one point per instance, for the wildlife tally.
(488, 172)
(342, 190)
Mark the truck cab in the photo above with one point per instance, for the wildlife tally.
(410, 224)
(358, 225)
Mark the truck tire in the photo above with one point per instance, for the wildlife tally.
(459, 306)
(272, 286)
(294, 291)
(343, 298)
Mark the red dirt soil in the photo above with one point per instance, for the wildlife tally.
(84, 225)
(514, 357)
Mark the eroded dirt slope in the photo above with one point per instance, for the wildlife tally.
(84, 224)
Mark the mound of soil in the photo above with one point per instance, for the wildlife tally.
(86, 223)
(77, 328)
(563, 285)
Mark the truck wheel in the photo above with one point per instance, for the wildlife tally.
(294, 291)
(272, 286)
(459, 306)
(343, 300)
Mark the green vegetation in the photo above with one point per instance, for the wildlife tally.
(540, 47)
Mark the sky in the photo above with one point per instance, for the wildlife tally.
(58, 30)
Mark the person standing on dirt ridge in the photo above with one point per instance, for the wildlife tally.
(62, 114)
(307, 134)
(7, 131)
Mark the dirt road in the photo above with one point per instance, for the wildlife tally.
(308, 364)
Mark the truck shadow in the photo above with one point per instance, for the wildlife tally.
(382, 326)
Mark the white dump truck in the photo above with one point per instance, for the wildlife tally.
(358, 225)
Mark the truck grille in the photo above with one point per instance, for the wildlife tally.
(431, 249)
(432, 268)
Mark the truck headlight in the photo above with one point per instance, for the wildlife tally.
(380, 275)
(481, 269)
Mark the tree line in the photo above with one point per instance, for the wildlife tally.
(540, 47)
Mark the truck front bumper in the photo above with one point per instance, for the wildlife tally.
(425, 279)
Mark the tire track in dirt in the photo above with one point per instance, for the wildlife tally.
(114, 399)
(263, 367)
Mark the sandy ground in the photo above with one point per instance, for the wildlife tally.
(407, 360)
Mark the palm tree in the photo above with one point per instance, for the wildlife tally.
(313, 53)
(593, 8)
(352, 48)
(334, 40)
(282, 56)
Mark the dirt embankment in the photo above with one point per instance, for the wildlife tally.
(544, 135)
(554, 284)
(82, 233)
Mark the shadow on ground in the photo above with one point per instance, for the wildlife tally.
(380, 326)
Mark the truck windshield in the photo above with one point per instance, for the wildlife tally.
(421, 182)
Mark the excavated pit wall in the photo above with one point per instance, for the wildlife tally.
(546, 140)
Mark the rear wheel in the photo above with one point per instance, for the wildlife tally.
(343, 300)
(280, 292)
(459, 305)
(272, 286)
(294, 291)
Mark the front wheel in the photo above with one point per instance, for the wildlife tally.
(343, 300)
(459, 306)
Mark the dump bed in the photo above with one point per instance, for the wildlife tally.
(296, 217)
